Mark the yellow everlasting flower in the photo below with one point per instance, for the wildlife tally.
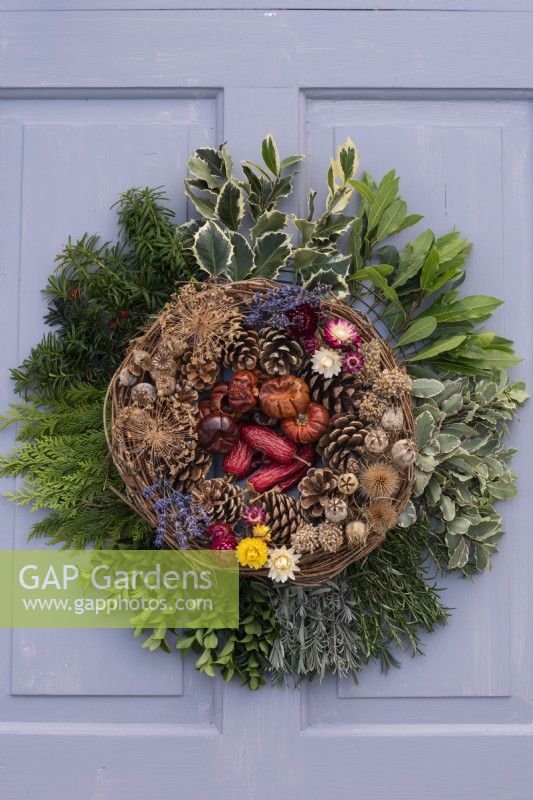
(261, 531)
(252, 552)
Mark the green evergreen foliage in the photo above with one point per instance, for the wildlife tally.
(102, 294)
(67, 471)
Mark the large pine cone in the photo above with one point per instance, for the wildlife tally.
(342, 446)
(315, 490)
(222, 499)
(337, 394)
(243, 351)
(278, 354)
(283, 513)
(187, 479)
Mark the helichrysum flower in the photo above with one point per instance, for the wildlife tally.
(282, 564)
(252, 552)
(353, 363)
(340, 333)
(253, 515)
(262, 531)
(327, 362)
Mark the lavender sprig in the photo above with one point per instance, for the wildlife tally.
(271, 308)
(176, 512)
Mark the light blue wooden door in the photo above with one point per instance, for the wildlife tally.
(97, 100)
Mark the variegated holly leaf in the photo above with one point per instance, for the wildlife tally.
(271, 253)
(212, 249)
(204, 203)
(270, 153)
(329, 269)
(268, 222)
(230, 205)
(242, 262)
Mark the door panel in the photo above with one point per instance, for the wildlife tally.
(96, 101)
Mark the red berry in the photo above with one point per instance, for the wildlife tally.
(123, 314)
(74, 292)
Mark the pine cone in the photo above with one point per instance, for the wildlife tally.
(283, 515)
(337, 394)
(201, 373)
(243, 351)
(278, 354)
(186, 393)
(189, 477)
(343, 443)
(222, 500)
(315, 490)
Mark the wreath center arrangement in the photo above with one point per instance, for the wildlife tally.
(269, 425)
(296, 389)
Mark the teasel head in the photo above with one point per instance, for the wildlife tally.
(380, 480)
(380, 516)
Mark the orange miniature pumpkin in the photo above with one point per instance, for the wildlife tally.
(308, 426)
(285, 396)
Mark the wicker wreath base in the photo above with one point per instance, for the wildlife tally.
(138, 474)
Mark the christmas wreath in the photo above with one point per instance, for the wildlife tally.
(287, 387)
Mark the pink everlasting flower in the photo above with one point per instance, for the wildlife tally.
(353, 363)
(341, 334)
(253, 515)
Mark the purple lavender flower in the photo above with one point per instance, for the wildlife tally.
(271, 307)
(177, 513)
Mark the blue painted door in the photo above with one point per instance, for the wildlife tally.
(96, 100)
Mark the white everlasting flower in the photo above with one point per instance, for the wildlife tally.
(327, 362)
(283, 563)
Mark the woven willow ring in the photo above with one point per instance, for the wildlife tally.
(216, 408)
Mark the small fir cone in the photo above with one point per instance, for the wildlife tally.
(337, 394)
(330, 536)
(165, 383)
(278, 353)
(305, 539)
(243, 351)
(371, 352)
(283, 515)
(190, 476)
(370, 407)
(343, 443)
(201, 372)
(185, 392)
(392, 382)
(223, 501)
(315, 490)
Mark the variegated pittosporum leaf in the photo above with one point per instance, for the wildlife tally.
(462, 468)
